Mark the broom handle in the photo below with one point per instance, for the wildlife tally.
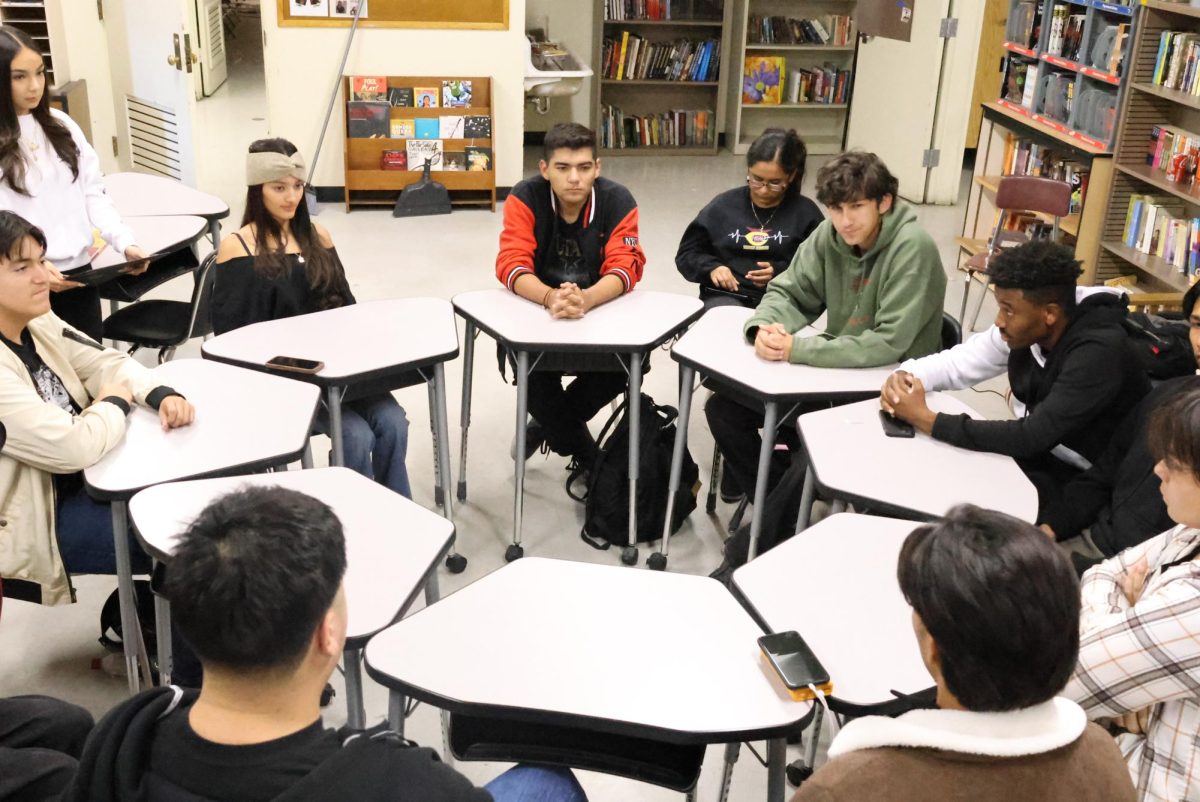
(337, 80)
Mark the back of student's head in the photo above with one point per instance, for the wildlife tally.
(13, 230)
(568, 136)
(1174, 433)
(1189, 300)
(253, 576)
(1001, 603)
(853, 176)
(1044, 271)
(786, 148)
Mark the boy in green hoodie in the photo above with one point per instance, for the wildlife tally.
(875, 273)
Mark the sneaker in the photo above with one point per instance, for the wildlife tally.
(535, 441)
(579, 475)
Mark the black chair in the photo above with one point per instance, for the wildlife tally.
(166, 325)
(951, 331)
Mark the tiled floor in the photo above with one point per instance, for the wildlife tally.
(51, 650)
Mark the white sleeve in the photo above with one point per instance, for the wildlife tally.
(100, 210)
(983, 356)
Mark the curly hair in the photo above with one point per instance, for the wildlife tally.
(855, 175)
(1044, 271)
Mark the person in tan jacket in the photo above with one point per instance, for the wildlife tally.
(995, 612)
(63, 402)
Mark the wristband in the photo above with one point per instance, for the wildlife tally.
(545, 297)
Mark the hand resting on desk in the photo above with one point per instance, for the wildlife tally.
(903, 397)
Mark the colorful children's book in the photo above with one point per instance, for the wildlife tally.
(454, 160)
(420, 150)
(368, 87)
(368, 119)
(477, 126)
(403, 128)
(426, 97)
(762, 80)
(456, 94)
(479, 160)
(450, 126)
(426, 128)
(400, 96)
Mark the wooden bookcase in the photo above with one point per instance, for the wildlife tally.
(822, 126)
(690, 19)
(1083, 230)
(1145, 106)
(367, 184)
(30, 17)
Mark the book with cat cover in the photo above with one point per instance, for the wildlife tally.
(426, 128)
(454, 160)
(477, 126)
(368, 87)
(401, 96)
(419, 150)
(403, 128)
(479, 160)
(450, 126)
(368, 119)
(456, 94)
(425, 97)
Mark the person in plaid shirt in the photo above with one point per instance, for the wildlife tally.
(1139, 651)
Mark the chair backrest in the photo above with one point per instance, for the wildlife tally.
(1034, 194)
(951, 331)
(200, 324)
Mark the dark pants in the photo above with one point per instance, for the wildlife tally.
(1049, 475)
(85, 537)
(564, 412)
(40, 740)
(80, 307)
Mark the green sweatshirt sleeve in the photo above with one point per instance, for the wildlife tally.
(796, 297)
(910, 291)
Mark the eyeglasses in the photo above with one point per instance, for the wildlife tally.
(771, 186)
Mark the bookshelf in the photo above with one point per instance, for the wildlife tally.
(368, 184)
(822, 126)
(30, 17)
(677, 110)
(1147, 105)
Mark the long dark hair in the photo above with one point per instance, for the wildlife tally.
(12, 163)
(319, 266)
(784, 147)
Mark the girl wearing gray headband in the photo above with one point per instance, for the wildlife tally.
(280, 264)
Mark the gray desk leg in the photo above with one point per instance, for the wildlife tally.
(770, 419)
(438, 484)
(214, 233)
(731, 757)
(355, 715)
(306, 462)
(806, 499)
(162, 629)
(514, 550)
(776, 769)
(130, 626)
(333, 405)
(658, 561)
(633, 409)
(465, 416)
(396, 704)
(443, 440)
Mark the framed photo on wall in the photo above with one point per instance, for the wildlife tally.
(347, 8)
(309, 8)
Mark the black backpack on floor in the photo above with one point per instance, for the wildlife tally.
(606, 512)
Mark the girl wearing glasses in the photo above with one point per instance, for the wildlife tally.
(746, 236)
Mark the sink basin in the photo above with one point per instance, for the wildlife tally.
(552, 72)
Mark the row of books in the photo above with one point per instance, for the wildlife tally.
(417, 152)
(1157, 226)
(1173, 152)
(826, 84)
(1020, 81)
(1066, 33)
(1176, 65)
(635, 58)
(1024, 157)
(707, 10)
(674, 128)
(453, 94)
(830, 29)
(371, 119)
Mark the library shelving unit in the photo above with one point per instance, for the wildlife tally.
(368, 184)
(1145, 106)
(822, 126)
(30, 17)
(694, 20)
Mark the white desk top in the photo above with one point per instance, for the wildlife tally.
(391, 543)
(555, 637)
(143, 195)
(244, 421)
(156, 235)
(835, 584)
(716, 347)
(636, 321)
(852, 457)
(355, 342)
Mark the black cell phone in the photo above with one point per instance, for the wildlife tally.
(894, 427)
(741, 296)
(795, 663)
(295, 364)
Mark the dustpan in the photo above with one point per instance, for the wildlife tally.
(426, 197)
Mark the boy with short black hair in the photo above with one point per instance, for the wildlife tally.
(570, 243)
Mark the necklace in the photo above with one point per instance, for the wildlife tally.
(761, 225)
(285, 242)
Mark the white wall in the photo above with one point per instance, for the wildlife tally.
(80, 46)
(570, 23)
(300, 64)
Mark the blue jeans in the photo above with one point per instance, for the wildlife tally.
(536, 784)
(374, 439)
(85, 537)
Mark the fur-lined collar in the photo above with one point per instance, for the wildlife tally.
(1030, 731)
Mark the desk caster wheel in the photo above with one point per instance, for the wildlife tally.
(462, 491)
(438, 497)
(657, 561)
(513, 552)
(456, 563)
(797, 773)
(629, 555)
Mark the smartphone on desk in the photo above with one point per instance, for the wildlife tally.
(295, 364)
(795, 664)
(894, 427)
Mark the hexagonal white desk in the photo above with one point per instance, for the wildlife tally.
(144, 195)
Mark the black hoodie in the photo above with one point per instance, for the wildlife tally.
(1088, 384)
(379, 767)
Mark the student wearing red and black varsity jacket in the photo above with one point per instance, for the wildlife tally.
(570, 243)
